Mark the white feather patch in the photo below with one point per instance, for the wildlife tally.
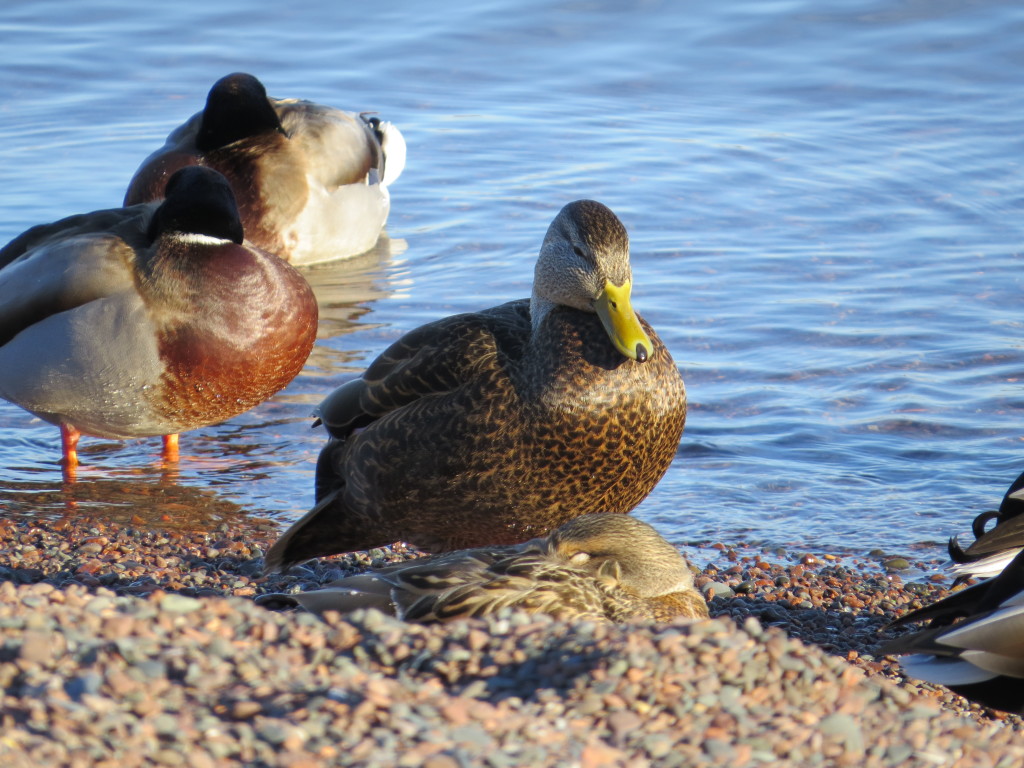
(987, 567)
(195, 238)
(1001, 632)
(943, 671)
(994, 663)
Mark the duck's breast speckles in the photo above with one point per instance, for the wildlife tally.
(606, 426)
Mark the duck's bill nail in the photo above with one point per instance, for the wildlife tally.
(621, 323)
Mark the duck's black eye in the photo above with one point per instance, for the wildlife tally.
(578, 251)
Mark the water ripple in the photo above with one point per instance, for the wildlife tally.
(824, 205)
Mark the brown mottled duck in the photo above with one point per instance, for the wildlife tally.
(598, 567)
(497, 426)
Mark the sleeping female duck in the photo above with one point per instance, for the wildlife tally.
(598, 567)
(311, 181)
(993, 549)
(496, 426)
(149, 320)
(974, 644)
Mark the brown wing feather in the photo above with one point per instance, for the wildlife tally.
(433, 359)
(528, 581)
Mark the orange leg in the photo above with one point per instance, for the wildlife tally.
(170, 447)
(69, 449)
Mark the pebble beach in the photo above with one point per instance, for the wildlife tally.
(128, 644)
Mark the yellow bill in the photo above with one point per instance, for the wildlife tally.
(621, 323)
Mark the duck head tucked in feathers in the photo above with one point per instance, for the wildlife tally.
(496, 426)
(602, 566)
(151, 319)
(311, 181)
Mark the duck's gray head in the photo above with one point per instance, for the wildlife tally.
(584, 264)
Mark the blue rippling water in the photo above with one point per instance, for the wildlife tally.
(824, 201)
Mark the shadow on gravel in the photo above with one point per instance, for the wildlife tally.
(835, 632)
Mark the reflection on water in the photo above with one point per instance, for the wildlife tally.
(150, 497)
(344, 291)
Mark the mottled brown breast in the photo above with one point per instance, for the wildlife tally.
(597, 431)
(595, 412)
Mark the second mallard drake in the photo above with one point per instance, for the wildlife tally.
(494, 427)
(311, 181)
(600, 567)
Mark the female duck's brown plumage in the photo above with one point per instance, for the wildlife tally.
(496, 426)
(602, 566)
(149, 320)
(311, 181)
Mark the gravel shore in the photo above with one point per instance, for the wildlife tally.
(126, 646)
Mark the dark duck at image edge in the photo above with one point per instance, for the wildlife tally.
(597, 567)
(311, 181)
(149, 320)
(497, 426)
(974, 642)
(994, 548)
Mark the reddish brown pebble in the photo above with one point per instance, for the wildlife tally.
(243, 710)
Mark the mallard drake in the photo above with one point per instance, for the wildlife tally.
(974, 643)
(602, 566)
(496, 426)
(992, 549)
(311, 181)
(149, 320)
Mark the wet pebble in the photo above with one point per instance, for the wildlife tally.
(896, 564)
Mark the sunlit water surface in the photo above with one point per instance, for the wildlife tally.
(824, 202)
